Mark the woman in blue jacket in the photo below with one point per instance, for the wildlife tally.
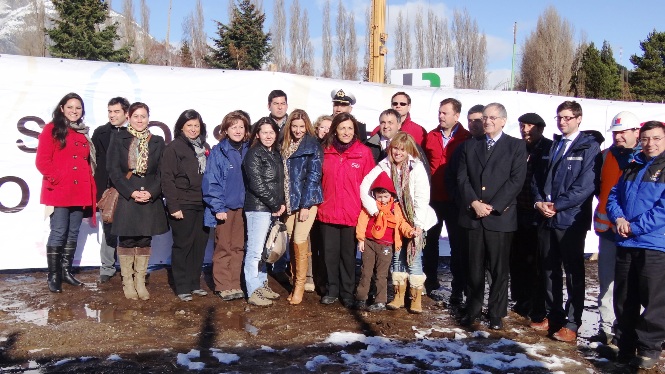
(224, 196)
(302, 157)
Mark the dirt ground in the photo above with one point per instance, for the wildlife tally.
(78, 330)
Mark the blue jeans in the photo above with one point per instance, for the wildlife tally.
(65, 225)
(258, 224)
(399, 264)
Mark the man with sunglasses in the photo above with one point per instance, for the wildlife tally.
(563, 188)
(636, 206)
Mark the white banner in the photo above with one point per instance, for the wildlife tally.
(31, 88)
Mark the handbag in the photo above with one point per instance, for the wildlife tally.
(107, 204)
(276, 242)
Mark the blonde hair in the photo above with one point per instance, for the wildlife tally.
(402, 140)
(295, 115)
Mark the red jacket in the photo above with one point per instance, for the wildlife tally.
(342, 175)
(67, 176)
(418, 132)
(438, 158)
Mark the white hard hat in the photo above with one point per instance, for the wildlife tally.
(624, 121)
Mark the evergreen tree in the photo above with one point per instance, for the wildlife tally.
(242, 44)
(612, 87)
(597, 75)
(594, 72)
(185, 55)
(648, 79)
(80, 32)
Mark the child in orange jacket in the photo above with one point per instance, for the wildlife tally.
(377, 236)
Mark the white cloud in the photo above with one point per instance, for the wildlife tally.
(498, 48)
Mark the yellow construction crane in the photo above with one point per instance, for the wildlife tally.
(377, 42)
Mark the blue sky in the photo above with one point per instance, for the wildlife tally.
(622, 23)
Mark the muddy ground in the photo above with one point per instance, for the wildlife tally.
(79, 330)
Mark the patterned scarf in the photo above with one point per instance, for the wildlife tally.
(82, 128)
(286, 153)
(384, 220)
(400, 176)
(138, 151)
(341, 147)
(200, 153)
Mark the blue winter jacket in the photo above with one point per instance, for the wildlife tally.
(304, 167)
(223, 186)
(571, 182)
(639, 197)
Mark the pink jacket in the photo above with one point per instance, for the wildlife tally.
(342, 175)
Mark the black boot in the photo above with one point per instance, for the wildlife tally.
(67, 258)
(53, 257)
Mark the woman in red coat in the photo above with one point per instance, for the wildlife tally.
(66, 159)
(346, 161)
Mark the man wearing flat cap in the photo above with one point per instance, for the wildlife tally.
(526, 286)
(343, 102)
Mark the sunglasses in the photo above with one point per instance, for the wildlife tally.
(397, 103)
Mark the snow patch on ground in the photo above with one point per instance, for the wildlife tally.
(114, 357)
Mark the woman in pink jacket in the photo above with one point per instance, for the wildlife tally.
(346, 161)
(66, 159)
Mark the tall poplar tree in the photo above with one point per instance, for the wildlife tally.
(242, 44)
(80, 32)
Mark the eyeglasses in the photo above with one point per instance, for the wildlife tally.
(491, 118)
(564, 118)
(654, 139)
(476, 120)
(398, 103)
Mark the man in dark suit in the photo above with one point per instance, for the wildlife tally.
(101, 137)
(490, 175)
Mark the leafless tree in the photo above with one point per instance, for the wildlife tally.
(146, 40)
(547, 56)
(351, 67)
(32, 41)
(419, 31)
(294, 37)
(326, 41)
(400, 34)
(470, 52)
(195, 33)
(278, 31)
(342, 50)
(129, 28)
(368, 36)
(408, 63)
(437, 41)
(305, 49)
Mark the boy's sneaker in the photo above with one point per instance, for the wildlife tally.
(236, 294)
(258, 299)
(185, 297)
(225, 295)
(642, 362)
(268, 293)
(377, 307)
(200, 292)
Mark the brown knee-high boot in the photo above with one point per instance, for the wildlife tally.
(126, 259)
(141, 265)
(399, 284)
(302, 254)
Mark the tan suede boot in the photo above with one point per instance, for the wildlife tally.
(141, 265)
(126, 258)
(399, 284)
(416, 285)
(302, 254)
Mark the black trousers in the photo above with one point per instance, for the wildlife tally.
(134, 241)
(563, 248)
(445, 212)
(339, 252)
(190, 238)
(487, 250)
(527, 287)
(639, 280)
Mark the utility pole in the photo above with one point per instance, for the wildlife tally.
(512, 69)
(377, 42)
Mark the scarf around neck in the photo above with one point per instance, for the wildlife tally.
(82, 128)
(200, 150)
(401, 176)
(384, 220)
(341, 147)
(138, 151)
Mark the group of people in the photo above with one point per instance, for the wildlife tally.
(515, 209)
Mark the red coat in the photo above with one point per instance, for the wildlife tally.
(68, 179)
(342, 175)
(418, 132)
(438, 158)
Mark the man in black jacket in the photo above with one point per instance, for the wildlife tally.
(101, 137)
(490, 174)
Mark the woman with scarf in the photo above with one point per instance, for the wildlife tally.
(346, 161)
(182, 167)
(133, 165)
(66, 159)
(408, 173)
(302, 157)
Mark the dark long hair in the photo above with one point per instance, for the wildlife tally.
(339, 118)
(188, 115)
(60, 123)
(257, 129)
